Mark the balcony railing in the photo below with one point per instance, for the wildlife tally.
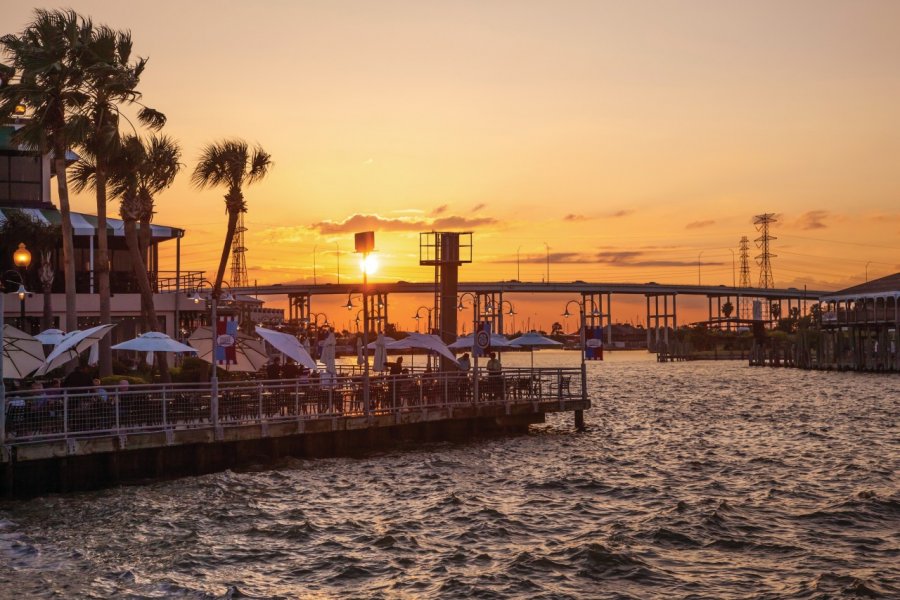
(55, 414)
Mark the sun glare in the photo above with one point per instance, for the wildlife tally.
(369, 265)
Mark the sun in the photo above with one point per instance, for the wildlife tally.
(369, 265)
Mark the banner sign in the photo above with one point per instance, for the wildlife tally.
(593, 343)
(226, 334)
(482, 342)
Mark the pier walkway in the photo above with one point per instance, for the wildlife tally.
(177, 430)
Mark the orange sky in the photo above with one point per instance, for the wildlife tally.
(630, 137)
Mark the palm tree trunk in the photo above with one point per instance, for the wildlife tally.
(226, 250)
(46, 275)
(140, 274)
(101, 267)
(68, 240)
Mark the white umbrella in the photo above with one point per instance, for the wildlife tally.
(532, 340)
(250, 353)
(154, 341)
(328, 348)
(380, 352)
(386, 339)
(50, 337)
(72, 345)
(22, 353)
(464, 342)
(288, 345)
(360, 358)
(425, 342)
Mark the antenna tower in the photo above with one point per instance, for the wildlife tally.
(745, 262)
(238, 260)
(763, 242)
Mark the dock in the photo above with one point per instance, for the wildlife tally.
(87, 438)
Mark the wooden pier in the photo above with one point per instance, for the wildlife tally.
(67, 440)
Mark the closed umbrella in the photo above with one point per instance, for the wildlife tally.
(328, 348)
(72, 345)
(50, 337)
(380, 352)
(360, 357)
(532, 340)
(249, 353)
(22, 353)
(288, 345)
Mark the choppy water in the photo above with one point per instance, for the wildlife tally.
(698, 480)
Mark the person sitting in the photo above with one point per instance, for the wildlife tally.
(273, 369)
(79, 378)
(289, 371)
(396, 368)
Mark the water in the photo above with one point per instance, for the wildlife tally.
(694, 480)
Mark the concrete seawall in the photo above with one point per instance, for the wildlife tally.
(102, 461)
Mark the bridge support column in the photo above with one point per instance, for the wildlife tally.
(659, 320)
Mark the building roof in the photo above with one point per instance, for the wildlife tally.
(889, 285)
(86, 225)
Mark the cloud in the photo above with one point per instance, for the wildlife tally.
(478, 206)
(620, 213)
(439, 210)
(633, 258)
(700, 224)
(363, 222)
(571, 217)
(813, 219)
(555, 258)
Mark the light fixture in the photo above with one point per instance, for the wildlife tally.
(349, 305)
(567, 314)
(19, 110)
(196, 297)
(227, 297)
(22, 292)
(22, 257)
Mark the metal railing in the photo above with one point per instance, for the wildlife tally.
(54, 414)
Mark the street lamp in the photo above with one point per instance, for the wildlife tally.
(578, 415)
(213, 299)
(22, 293)
(460, 306)
(417, 317)
(364, 243)
(546, 245)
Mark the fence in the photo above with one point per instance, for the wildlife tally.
(52, 414)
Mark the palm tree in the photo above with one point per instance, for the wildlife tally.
(141, 170)
(46, 55)
(232, 164)
(111, 80)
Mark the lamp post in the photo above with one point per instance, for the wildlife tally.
(22, 260)
(579, 415)
(518, 272)
(313, 322)
(418, 317)
(867, 270)
(510, 313)
(475, 311)
(365, 244)
(2, 388)
(21, 292)
(214, 325)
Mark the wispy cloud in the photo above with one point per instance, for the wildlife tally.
(479, 206)
(620, 213)
(633, 258)
(362, 222)
(555, 258)
(813, 219)
(439, 210)
(700, 224)
(573, 217)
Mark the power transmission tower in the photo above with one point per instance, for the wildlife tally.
(238, 260)
(764, 260)
(745, 262)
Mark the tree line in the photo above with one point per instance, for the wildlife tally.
(73, 78)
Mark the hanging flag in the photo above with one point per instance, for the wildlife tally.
(482, 342)
(226, 335)
(593, 343)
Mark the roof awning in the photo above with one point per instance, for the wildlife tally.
(86, 225)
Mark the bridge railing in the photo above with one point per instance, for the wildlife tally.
(52, 414)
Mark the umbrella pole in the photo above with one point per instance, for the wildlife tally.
(2, 389)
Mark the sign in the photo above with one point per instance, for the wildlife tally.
(593, 343)
(482, 342)
(226, 335)
(365, 241)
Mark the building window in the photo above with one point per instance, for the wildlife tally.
(20, 178)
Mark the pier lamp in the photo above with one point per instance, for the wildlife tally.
(213, 298)
(22, 257)
(418, 317)
(579, 416)
(364, 243)
(21, 292)
(460, 306)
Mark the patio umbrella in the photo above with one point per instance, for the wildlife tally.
(50, 337)
(153, 341)
(249, 353)
(288, 345)
(464, 342)
(328, 348)
(380, 352)
(360, 358)
(423, 341)
(72, 345)
(532, 340)
(22, 353)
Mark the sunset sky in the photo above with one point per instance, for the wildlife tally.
(630, 137)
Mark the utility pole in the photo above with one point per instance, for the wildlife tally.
(764, 260)
(745, 262)
(548, 261)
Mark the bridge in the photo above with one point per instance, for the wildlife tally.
(768, 304)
